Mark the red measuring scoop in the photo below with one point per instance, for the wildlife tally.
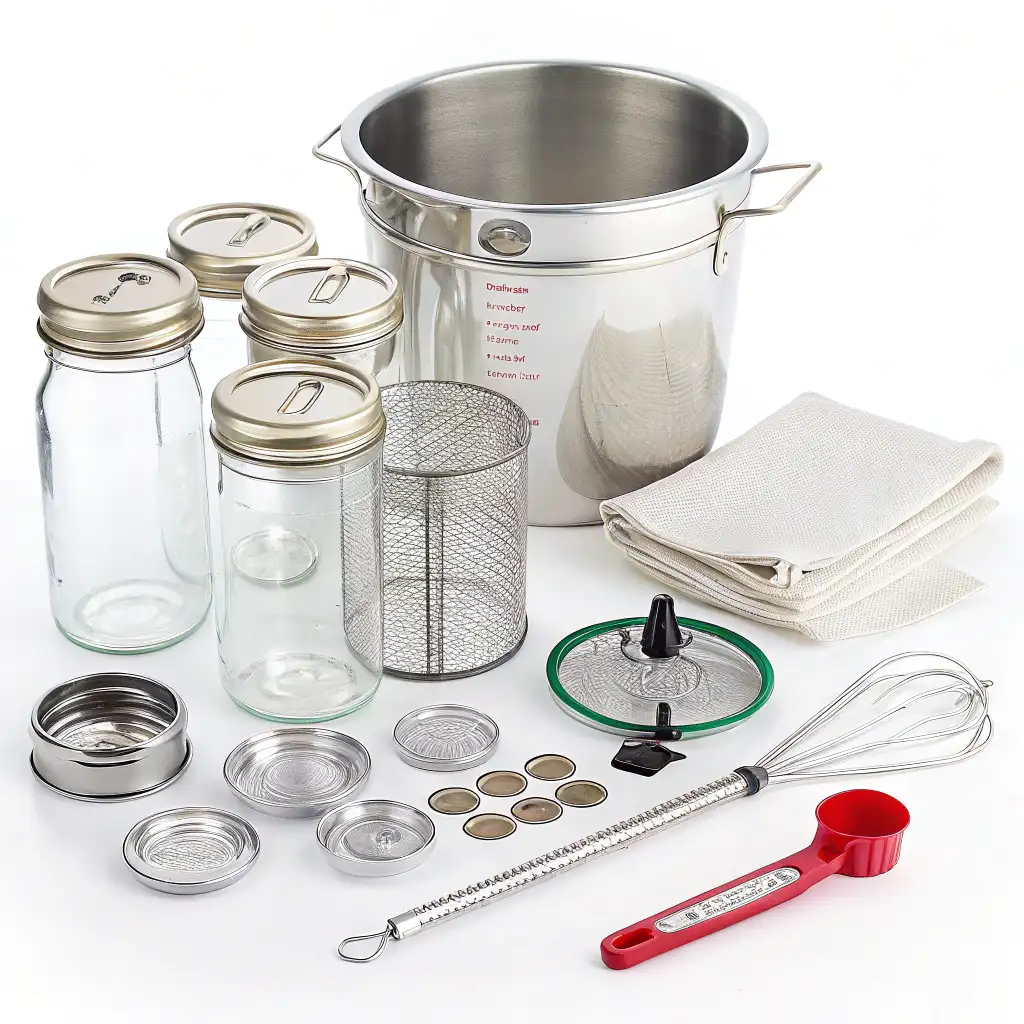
(859, 833)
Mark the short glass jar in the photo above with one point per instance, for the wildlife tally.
(222, 244)
(298, 572)
(121, 456)
(342, 310)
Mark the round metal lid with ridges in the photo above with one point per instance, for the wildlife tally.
(224, 243)
(119, 306)
(321, 303)
(297, 412)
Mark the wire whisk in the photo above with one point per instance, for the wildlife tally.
(927, 706)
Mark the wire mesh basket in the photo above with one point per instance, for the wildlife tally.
(455, 515)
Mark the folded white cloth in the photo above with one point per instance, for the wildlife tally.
(821, 518)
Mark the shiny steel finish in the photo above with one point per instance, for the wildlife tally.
(222, 244)
(556, 229)
(119, 306)
(446, 738)
(191, 850)
(297, 412)
(375, 837)
(297, 772)
(109, 736)
(341, 310)
(914, 701)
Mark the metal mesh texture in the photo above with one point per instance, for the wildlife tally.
(361, 563)
(455, 515)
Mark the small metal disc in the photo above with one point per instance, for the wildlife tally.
(581, 793)
(191, 849)
(535, 810)
(454, 800)
(550, 767)
(489, 826)
(501, 783)
(275, 556)
(446, 738)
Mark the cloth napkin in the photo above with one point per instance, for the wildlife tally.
(821, 518)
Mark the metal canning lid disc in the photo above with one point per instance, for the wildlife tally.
(581, 793)
(446, 737)
(501, 783)
(119, 306)
(489, 826)
(191, 849)
(536, 810)
(550, 767)
(375, 837)
(454, 800)
(320, 304)
(297, 412)
(224, 243)
(297, 771)
(599, 676)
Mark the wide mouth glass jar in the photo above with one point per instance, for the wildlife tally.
(121, 456)
(342, 310)
(298, 590)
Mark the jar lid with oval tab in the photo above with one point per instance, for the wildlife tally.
(297, 412)
(224, 243)
(321, 304)
(119, 305)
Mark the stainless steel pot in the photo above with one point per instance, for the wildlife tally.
(568, 234)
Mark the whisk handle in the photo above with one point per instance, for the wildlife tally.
(720, 907)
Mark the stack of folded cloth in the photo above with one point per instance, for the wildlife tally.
(821, 518)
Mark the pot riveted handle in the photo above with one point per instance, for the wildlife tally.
(731, 220)
(321, 154)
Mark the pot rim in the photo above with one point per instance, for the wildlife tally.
(757, 142)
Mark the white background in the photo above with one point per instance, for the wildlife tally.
(892, 284)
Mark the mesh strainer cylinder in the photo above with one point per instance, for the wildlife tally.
(455, 515)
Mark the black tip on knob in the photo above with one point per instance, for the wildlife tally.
(662, 637)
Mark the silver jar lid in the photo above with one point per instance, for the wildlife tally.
(297, 412)
(320, 303)
(224, 243)
(119, 305)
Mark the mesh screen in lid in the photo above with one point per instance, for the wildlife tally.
(600, 676)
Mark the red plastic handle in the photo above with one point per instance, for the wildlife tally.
(721, 907)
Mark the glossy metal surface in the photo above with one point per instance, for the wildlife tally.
(501, 783)
(297, 772)
(916, 710)
(453, 800)
(550, 767)
(191, 850)
(560, 232)
(446, 738)
(581, 793)
(375, 837)
(109, 736)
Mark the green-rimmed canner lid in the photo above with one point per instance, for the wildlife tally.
(615, 676)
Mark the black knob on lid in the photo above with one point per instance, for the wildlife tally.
(662, 637)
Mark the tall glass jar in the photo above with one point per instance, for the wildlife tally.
(298, 572)
(222, 244)
(121, 455)
(324, 308)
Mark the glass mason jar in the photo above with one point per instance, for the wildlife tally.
(222, 244)
(317, 307)
(298, 569)
(121, 455)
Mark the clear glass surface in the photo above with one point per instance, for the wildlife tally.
(122, 466)
(298, 592)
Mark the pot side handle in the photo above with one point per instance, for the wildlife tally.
(731, 220)
(321, 154)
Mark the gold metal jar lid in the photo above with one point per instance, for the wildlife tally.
(224, 243)
(320, 304)
(297, 412)
(120, 305)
